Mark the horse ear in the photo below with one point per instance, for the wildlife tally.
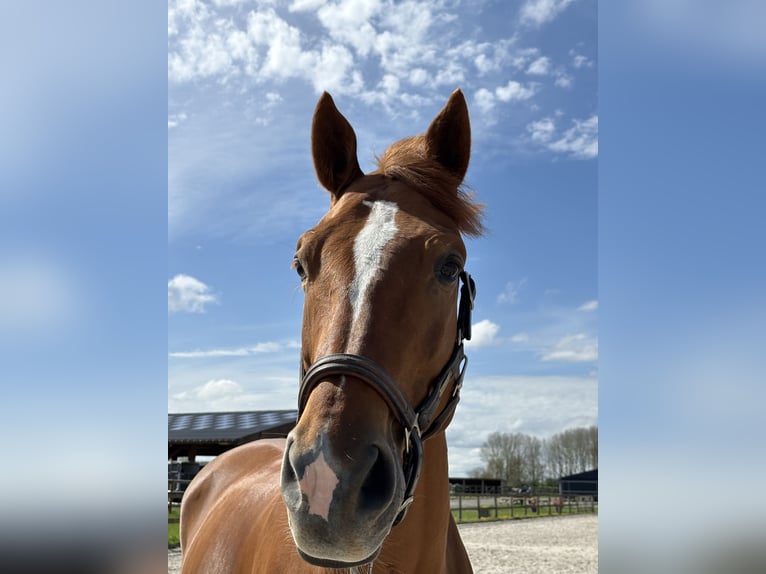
(333, 147)
(448, 139)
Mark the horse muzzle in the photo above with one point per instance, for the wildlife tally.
(342, 495)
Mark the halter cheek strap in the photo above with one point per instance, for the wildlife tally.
(419, 424)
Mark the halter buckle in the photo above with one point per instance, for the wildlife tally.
(408, 435)
(460, 377)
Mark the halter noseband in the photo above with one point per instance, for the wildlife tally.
(419, 424)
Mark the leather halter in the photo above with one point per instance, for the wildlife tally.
(419, 424)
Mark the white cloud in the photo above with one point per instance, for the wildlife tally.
(175, 119)
(523, 56)
(305, 5)
(542, 130)
(588, 306)
(538, 12)
(539, 67)
(264, 47)
(284, 56)
(511, 292)
(267, 379)
(513, 91)
(333, 70)
(349, 22)
(227, 388)
(229, 2)
(580, 141)
(483, 334)
(563, 80)
(272, 100)
(204, 48)
(484, 99)
(360, 42)
(418, 76)
(218, 388)
(522, 337)
(183, 13)
(484, 64)
(578, 348)
(580, 61)
(185, 293)
(215, 394)
(257, 349)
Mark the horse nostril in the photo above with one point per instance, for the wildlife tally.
(377, 488)
(288, 470)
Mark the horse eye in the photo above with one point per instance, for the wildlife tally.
(299, 268)
(449, 271)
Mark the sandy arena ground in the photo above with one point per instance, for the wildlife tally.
(558, 545)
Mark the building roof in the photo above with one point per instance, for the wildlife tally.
(585, 483)
(587, 476)
(214, 433)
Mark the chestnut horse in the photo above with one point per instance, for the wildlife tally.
(356, 486)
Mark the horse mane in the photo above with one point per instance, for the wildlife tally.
(408, 161)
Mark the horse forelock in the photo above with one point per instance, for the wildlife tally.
(407, 161)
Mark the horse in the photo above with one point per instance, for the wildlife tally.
(361, 482)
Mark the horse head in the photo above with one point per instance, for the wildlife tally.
(381, 358)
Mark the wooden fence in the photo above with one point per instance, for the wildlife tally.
(472, 507)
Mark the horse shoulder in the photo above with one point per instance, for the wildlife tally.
(232, 513)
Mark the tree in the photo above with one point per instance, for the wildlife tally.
(478, 472)
(515, 457)
(533, 469)
(519, 458)
(572, 451)
(501, 454)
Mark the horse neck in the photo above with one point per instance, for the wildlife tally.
(421, 538)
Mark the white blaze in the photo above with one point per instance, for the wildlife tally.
(318, 484)
(369, 248)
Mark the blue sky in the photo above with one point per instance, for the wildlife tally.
(243, 79)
